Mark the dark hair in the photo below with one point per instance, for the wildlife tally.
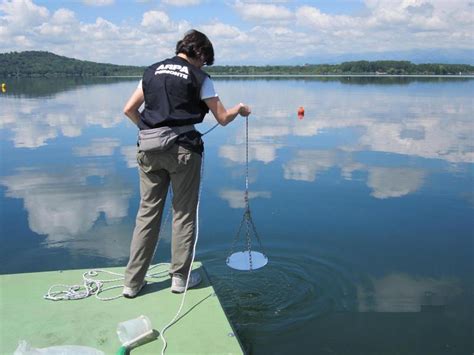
(195, 44)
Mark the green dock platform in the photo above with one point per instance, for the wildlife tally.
(202, 328)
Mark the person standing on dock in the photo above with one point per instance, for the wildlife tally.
(177, 94)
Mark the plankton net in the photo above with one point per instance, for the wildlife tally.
(245, 258)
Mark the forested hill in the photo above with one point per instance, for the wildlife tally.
(40, 63)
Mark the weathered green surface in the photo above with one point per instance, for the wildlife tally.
(202, 329)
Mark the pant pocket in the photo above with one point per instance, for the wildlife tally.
(141, 159)
(184, 155)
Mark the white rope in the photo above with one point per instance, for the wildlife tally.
(93, 286)
(165, 344)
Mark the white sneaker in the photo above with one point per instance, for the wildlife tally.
(129, 292)
(178, 283)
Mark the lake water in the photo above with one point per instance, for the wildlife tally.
(364, 206)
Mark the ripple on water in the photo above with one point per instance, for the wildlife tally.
(288, 291)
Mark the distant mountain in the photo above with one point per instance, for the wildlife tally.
(417, 56)
(40, 63)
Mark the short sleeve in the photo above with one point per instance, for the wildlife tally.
(207, 89)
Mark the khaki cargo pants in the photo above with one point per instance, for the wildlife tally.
(181, 168)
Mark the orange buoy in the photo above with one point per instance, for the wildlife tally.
(301, 112)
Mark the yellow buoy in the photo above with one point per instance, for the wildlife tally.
(4, 87)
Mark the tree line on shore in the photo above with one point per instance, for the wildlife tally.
(46, 64)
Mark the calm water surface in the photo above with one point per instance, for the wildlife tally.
(364, 207)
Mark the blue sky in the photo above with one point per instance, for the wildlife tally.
(243, 31)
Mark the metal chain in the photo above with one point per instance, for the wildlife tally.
(247, 204)
(247, 217)
(234, 242)
(247, 208)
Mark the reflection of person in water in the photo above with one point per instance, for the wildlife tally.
(176, 93)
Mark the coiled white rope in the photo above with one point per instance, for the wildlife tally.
(93, 286)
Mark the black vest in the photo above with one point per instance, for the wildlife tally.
(172, 90)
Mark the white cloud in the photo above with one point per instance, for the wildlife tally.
(181, 2)
(223, 31)
(101, 30)
(262, 12)
(276, 33)
(98, 2)
(157, 21)
(22, 14)
(61, 27)
(63, 16)
(313, 17)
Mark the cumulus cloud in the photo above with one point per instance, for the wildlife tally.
(262, 12)
(98, 2)
(157, 21)
(20, 14)
(63, 16)
(386, 25)
(181, 2)
(274, 32)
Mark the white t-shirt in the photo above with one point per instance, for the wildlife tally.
(207, 89)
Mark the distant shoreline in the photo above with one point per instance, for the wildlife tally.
(342, 75)
(262, 76)
(46, 64)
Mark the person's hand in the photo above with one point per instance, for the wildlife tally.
(244, 110)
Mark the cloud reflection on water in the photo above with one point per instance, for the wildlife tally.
(375, 118)
(385, 182)
(398, 292)
(64, 205)
(341, 121)
(37, 121)
(235, 198)
(98, 147)
(394, 182)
